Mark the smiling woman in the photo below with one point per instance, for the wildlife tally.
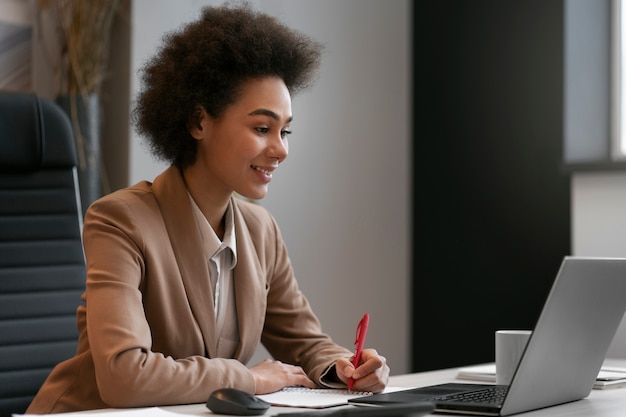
(184, 280)
(239, 151)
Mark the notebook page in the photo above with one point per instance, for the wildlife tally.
(311, 397)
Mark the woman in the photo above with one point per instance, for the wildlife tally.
(183, 278)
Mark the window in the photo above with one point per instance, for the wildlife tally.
(618, 80)
(594, 106)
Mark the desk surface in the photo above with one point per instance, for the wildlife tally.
(605, 403)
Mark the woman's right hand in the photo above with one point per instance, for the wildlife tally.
(271, 376)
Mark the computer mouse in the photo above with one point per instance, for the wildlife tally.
(236, 402)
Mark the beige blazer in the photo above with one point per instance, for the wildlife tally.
(147, 325)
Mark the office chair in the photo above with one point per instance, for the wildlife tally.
(42, 265)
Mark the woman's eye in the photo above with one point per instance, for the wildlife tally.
(285, 133)
(262, 129)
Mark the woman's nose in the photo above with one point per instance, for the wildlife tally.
(279, 148)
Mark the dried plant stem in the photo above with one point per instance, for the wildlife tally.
(86, 28)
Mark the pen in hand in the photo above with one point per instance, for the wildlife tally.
(361, 332)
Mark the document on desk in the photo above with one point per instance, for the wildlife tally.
(609, 377)
(135, 412)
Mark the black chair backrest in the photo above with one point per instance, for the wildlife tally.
(42, 265)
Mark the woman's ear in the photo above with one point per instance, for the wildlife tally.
(197, 123)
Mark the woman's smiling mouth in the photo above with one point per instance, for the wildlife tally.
(265, 171)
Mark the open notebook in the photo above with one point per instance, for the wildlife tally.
(311, 397)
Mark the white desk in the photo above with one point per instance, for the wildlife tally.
(605, 403)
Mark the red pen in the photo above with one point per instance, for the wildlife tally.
(361, 332)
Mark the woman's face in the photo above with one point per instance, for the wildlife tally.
(240, 150)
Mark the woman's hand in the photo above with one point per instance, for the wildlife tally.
(271, 376)
(371, 375)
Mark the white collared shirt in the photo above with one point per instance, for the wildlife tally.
(222, 260)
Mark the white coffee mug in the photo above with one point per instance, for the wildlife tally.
(510, 345)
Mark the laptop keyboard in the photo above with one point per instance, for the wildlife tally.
(492, 395)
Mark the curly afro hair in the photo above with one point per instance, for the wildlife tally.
(205, 63)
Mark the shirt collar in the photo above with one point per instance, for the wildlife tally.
(212, 243)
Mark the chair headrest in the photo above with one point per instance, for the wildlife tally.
(35, 134)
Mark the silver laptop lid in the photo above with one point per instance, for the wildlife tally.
(572, 335)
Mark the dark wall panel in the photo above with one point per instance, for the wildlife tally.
(491, 198)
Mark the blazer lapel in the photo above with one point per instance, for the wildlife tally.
(171, 194)
(250, 289)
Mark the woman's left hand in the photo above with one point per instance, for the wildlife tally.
(370, 375)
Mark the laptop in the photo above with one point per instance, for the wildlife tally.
(564, 353)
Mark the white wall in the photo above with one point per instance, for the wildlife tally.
(342, 197)
(599, 225)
